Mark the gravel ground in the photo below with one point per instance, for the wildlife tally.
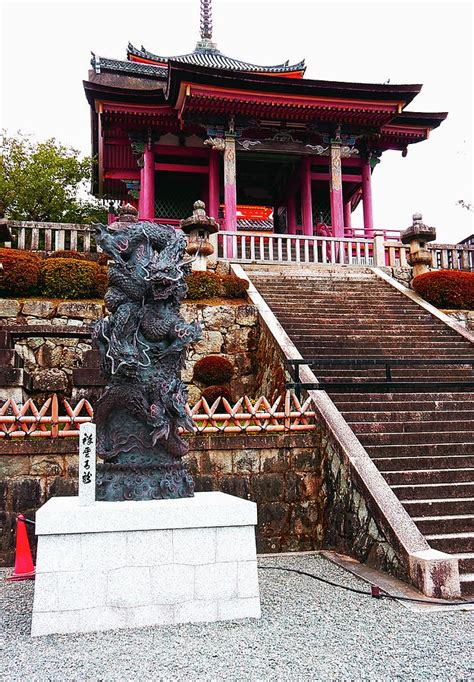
(308, 631)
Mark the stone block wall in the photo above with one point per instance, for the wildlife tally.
(230, 328)
(281, 472)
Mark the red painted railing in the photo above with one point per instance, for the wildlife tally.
(56, 418)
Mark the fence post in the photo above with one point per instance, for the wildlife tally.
(379, 249)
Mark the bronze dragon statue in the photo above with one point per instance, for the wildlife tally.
(142, 344)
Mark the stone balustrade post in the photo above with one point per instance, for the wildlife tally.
(379, 249)
(416, 236)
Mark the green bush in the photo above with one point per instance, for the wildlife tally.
(446, 288)
(101, 281)
(203, 285)
(21, 272)
(234, 287)
(69, 278)
(67, 254)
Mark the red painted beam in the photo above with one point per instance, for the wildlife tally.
(181, 168)
(122, 175)
(167, 150)
(346, 177)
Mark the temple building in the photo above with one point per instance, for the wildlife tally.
(262, 146)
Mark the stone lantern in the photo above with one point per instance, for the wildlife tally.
(416, 236)
(199, 227)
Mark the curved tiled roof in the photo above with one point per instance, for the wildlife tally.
(104, 64)
(207, 55)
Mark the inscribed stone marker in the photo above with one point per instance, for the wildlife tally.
(87, 463)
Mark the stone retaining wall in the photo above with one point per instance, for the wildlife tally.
(282, 473)
(463, 317)
(230, 328)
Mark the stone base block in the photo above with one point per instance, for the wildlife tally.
(134, 564)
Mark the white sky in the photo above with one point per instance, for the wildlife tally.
(46, 51)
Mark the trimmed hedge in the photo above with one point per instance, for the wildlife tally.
(101, 281)
(67, 254)
(69, 278)
(211, 285)
(203, 285)
(446, 288)
(213, 369)
(212, 393)
(234, 287)
(21, 271)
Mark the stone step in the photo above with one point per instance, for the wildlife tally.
(467, 584)
(421, 437)
(452, 542)
(6, 340)
(431, 475)
(466, 562)
(384, 464)
(406, 415)
(461, 523)
(15, 376)
(366, 427)
(418, 373)
(350, 333)
(10, 358)
(433, 490)
(421, 449)
(439, 506)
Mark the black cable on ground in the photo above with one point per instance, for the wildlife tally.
(377, 592)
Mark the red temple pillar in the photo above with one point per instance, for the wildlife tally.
(306, 203)
(335, 190)
(146, 201)
(367, 197)
(291, 214)
(230, 184)
(347, 213)
(213, 208)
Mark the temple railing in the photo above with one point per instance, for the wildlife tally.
(57, 418)
(37, 236)
(261, 247)
(250, 247)
(452, 256)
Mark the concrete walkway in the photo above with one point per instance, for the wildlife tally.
(309, 631)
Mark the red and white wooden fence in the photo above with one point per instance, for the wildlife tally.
(57, 418)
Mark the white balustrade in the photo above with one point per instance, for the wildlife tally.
(255, 247)
(37, 236)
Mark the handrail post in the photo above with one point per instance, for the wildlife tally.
(379, 249)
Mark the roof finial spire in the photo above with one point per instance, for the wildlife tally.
(206, 19)
(206, 26)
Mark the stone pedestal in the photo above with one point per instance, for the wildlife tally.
(135, 564)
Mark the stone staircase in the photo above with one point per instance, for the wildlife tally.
(420, 434)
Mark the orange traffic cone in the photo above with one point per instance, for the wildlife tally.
(24, 566)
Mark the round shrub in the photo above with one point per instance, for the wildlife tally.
(203, 285)
(212, 393)
(446, 288)
(69, 278)
(213, 369)
(67, 254)
(21, 271)
(234, 287)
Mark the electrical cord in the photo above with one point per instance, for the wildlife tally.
(376, 592)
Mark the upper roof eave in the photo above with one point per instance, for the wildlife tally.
(421, 118)
(95, 91)
(215, 59)
(178, 71)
